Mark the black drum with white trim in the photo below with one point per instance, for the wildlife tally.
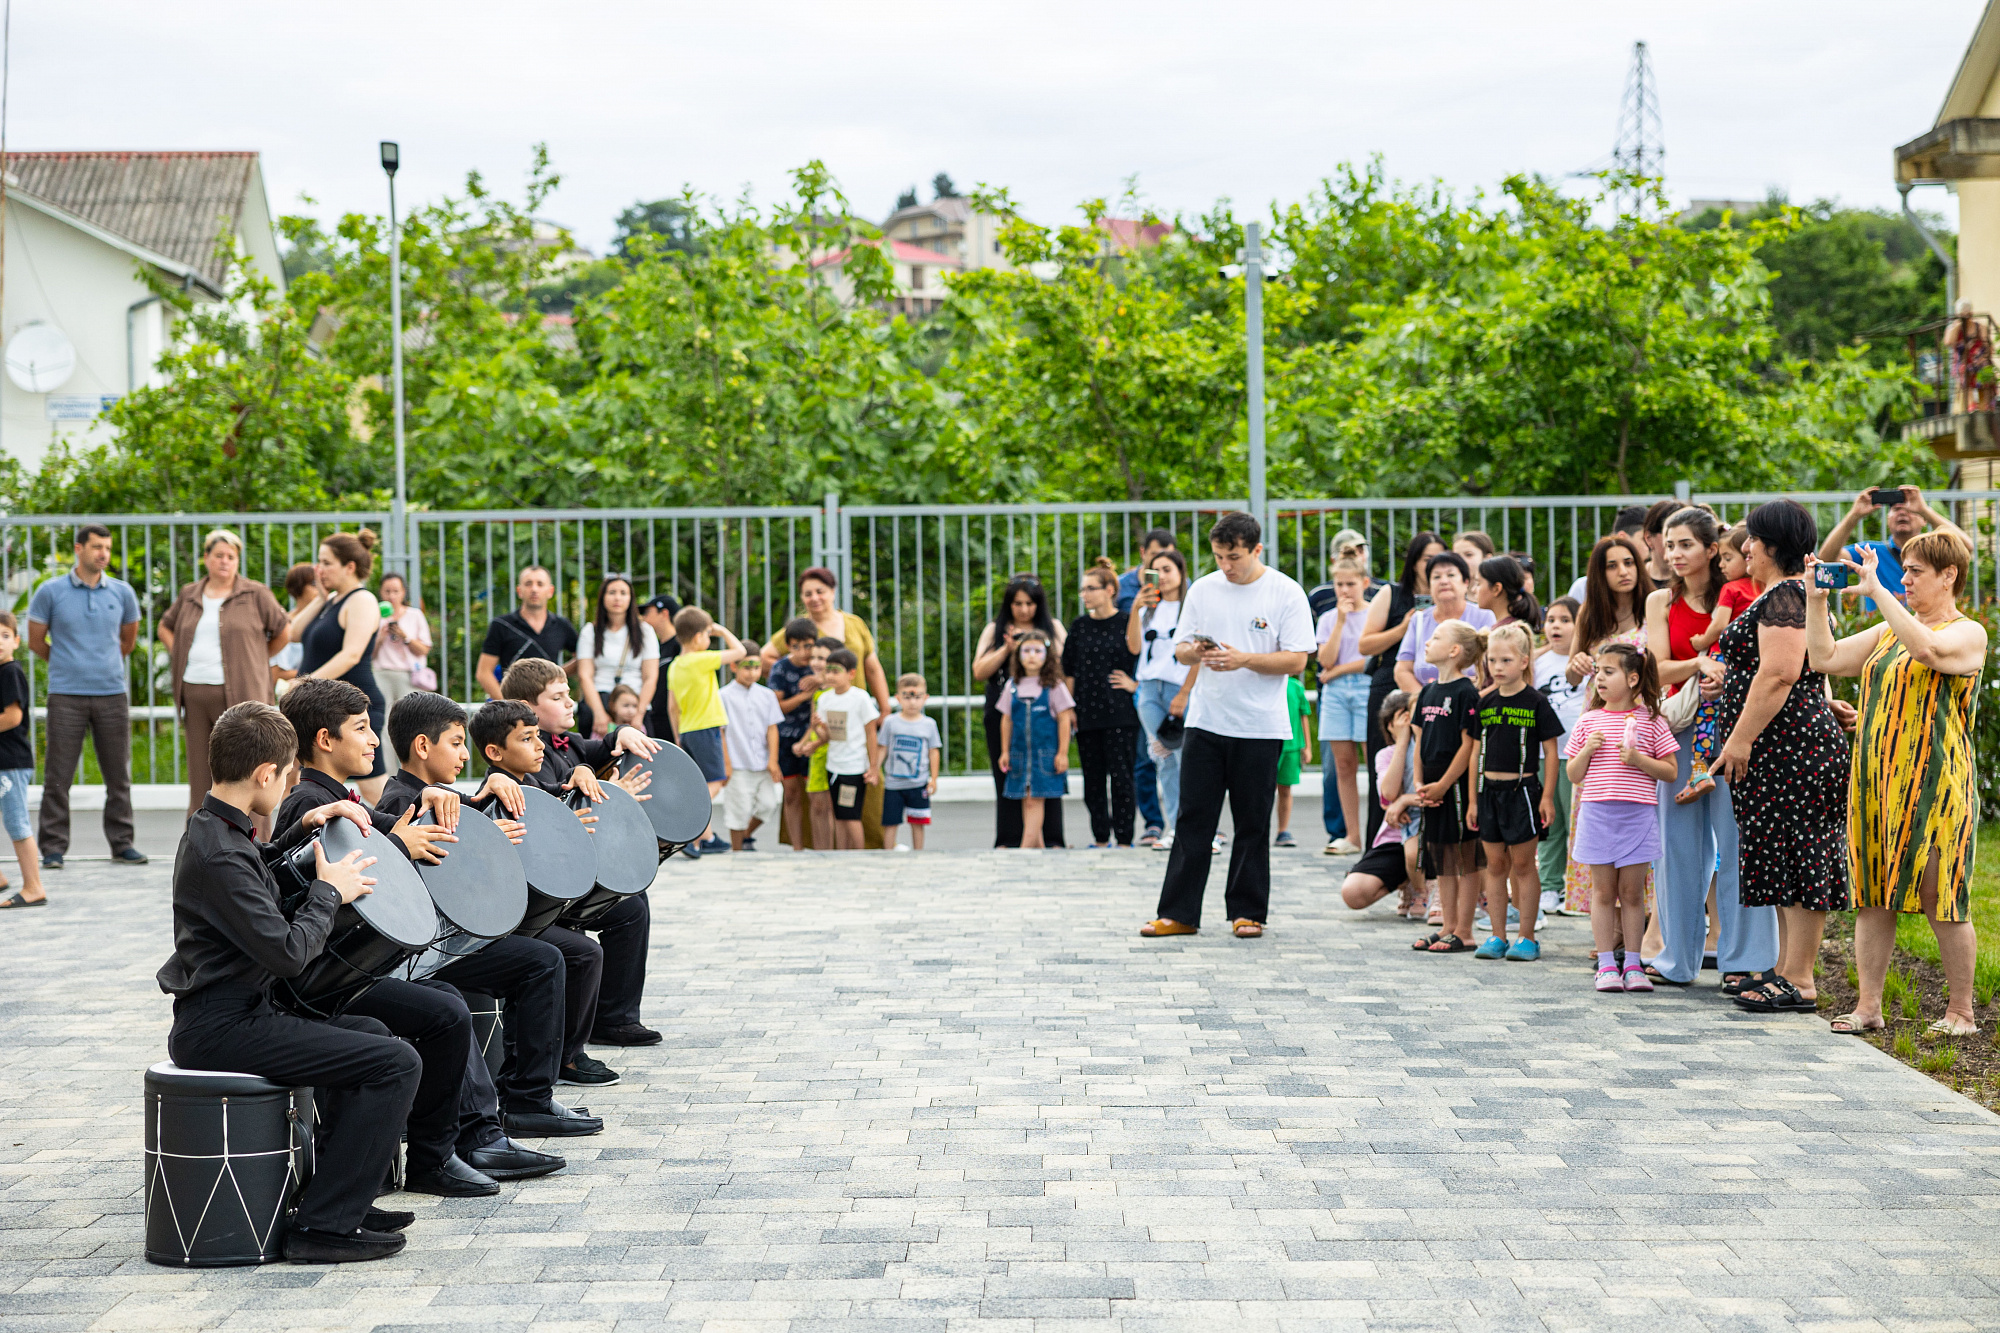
(479, 889)
(371, 936)
(627, 854)
(680, 809)
(227, 1156)
(558, 857)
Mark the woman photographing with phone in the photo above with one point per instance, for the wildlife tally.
(1164, 683)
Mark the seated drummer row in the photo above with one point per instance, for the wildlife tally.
(233, 939)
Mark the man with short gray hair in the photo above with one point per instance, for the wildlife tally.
(83, 624)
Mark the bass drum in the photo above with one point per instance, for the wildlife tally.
(680, 810)
(627, 859)
(371, 936)
(558, 860)
(479, 889)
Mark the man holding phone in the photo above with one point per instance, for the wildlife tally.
(1909, 515)
(1249, 627)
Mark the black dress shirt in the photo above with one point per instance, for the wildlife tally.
(316, 789)
(228, 926)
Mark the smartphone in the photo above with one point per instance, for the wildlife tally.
(1203, 642)
(1424, 603)
(1149, 578)
(1884, 495)
(1829, 576)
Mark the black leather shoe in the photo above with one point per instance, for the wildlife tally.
(305, 1246)
(383, 1219)
(453, 1180)
(558, 1121)
(504, 1159)
(626, 1034)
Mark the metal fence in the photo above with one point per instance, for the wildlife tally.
(927, 580)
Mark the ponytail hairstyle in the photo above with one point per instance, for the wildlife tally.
(353, 548)
(1701, 525)
(1470, 642)
(1506, 572)
(1733, 538)
(1517, 633)
(1050, 674)
(1640, 663)
(1103, 571)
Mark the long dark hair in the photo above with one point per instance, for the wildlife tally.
(1003, 615)
(1701, 525)
(1180, 563)
(1413, 559)
(1506, 571)
(1598, 620)
(601, 618)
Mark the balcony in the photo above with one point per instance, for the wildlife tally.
(1954, 360)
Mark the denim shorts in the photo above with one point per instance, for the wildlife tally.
(1343, 708)
(911, 803)
(14, 803)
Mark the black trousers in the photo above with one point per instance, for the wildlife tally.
(1378, 693)
(1006, 812)
(363, 1079)
(1107, 760)
(583, 975)
(1246, 771)
(529, 975)
(625, 933)
(432, 1017)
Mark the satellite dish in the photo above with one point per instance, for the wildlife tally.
(40, 358)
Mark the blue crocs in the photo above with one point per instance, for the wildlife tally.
(1495, 947)
(1525, 951)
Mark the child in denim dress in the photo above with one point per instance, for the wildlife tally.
(1037, 716)
(17, 768)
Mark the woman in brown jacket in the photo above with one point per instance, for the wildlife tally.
(220, 633)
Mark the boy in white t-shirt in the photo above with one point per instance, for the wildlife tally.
(751, 737)
(911, 749)
(848, 718)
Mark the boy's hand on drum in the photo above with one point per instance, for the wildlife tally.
(509, 792)
(423, 842)
(345, 874)
(443, 806)
(585, 781)
(339, 810)
(633, 741)
(514, 829)
(636, 782)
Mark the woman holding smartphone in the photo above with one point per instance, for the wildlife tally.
(1163, 682)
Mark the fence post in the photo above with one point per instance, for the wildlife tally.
(836, 551)
(1683, 490)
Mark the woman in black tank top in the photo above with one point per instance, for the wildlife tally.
(336, 631)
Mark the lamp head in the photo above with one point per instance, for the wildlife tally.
(391, 156)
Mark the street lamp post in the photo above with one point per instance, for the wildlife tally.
(398, 528)
(1253, 334)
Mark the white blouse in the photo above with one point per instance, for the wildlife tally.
(617, 665)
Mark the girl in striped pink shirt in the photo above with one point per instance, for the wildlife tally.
(1617, 754)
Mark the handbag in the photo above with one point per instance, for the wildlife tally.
(1677, 710)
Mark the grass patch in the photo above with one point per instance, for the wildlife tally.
(1913, 933)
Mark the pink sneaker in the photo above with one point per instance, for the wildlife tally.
(1607, 979)
(1636, 979)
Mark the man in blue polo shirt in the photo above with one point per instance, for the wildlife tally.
(1907, 517)
(83, 624)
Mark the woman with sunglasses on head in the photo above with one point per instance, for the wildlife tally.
(1024, 606)
(1164, 682)
(616, 648)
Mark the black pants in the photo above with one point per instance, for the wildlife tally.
(1246, 771)
(431, 1017)
(1379, 691)
(1107, 759)
(583, 975)
(1006, 812)
(625, 933)
(363, 1081)
(528, 974)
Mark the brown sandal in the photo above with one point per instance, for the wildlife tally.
(1246, 929)
(1153, 929)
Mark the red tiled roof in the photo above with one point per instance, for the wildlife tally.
(901, 251)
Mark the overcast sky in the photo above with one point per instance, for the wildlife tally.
(1058, 101)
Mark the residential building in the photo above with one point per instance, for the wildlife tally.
(81, 229)
(951, 226)
(919, 275)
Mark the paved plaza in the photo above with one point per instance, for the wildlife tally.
(927, 1092)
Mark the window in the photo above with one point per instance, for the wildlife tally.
(916, 278)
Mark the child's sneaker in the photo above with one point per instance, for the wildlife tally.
(1635, 978)
(1607, 979)
(1495, 947)
(1552, 901)
(1285, 839)
(1524, 951)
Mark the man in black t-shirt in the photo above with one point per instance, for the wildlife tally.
(532, 631)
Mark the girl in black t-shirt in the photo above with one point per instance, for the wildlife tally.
(1447, 751)
(1518, 730)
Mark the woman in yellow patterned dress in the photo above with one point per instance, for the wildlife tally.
(1912, 808)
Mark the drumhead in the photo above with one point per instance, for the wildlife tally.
(680, 808)
(480, 885)
(628, 854)
(400, 907)
(557, 854)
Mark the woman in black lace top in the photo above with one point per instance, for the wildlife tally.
(1786, 760)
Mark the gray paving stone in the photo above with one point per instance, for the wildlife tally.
(956, 1091)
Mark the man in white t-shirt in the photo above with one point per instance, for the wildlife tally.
(1250, 627)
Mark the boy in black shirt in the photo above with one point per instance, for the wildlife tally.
(1447, 749)
(17, 768)
(231, 940)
